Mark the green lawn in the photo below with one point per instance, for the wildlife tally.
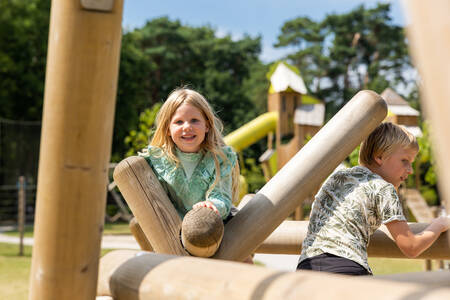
(15, 270)
(116, 228)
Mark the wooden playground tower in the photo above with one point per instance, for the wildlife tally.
(82, 67)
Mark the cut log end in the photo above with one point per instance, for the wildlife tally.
(202, 231)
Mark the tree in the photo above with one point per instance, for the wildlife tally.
(165, 54)
(23, 49)
(345, 53)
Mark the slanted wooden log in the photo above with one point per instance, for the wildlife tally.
(303, 173)
(202, 232)
(156, 276)
(139, 235)
(150, 205)
(77, 126)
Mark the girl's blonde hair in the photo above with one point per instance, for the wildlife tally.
(213, 141)
(384, 140)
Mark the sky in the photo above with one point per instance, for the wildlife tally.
(240, 17)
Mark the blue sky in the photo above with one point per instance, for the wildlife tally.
(239, 17)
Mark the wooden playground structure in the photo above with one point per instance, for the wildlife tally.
(82, 68)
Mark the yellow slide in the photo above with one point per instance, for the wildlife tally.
(253, 131)
(248, 134)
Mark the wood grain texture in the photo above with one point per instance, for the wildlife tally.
(139, 235)
(156, 276)
(77, 126)
(289, 236)
(301, 175)
(150, 205)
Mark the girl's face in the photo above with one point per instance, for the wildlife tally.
(188, 128)
(396, 167)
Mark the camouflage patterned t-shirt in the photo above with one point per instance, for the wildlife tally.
(348, 208)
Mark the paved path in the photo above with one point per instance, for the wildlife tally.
(275, 261)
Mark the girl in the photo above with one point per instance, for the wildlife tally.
(189, 157)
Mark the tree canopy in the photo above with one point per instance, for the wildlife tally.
(345, 53)
(23, 51)
(166, 54)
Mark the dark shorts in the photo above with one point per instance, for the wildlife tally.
(327, 262)
(233, 212)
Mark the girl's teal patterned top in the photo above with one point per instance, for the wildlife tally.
(348, 208)
(184, 192)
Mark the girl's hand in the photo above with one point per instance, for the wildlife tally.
(207, 204)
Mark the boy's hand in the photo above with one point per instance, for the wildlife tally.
(444, 222)
(207, 204)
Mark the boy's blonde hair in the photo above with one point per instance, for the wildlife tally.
(383, 140)
(213, 141)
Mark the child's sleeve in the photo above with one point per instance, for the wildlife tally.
(389, 206)
(221, 195)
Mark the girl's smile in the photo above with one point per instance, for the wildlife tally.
(188, 128)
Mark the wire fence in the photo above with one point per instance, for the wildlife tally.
(9, 204)
(19, 156)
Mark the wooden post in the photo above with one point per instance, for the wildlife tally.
(430, 49)
(150, 205)
(303, 173)
(21, 211)
(156, 276)
(79, 104)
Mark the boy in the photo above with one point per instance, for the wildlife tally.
(354, 202)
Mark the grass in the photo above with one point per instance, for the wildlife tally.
(15, 270)
(116, 228)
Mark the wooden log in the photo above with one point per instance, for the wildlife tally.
(433, 279)
(156, 276)
(77, 126)
(430, 49)
(150, 205)
(288, 238)
(303, 173)
(202, 231)
(139, 235)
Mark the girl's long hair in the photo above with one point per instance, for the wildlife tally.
(213, 141)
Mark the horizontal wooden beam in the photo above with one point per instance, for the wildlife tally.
(143, 275)
(288, 238)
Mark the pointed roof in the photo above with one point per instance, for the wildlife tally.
(392, 98)
(284, 79)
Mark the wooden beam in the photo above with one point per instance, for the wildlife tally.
(79, 104)
(430, 48)
(156, 276)
(150, 205)
(288, 238)
(303, 173)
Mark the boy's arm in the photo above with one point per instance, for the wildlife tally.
(412, 245)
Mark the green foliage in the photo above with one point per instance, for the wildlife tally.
(253, 175)
(428, 176)
(345, 53)
(256, 87)
(429, 194)
(23, 48)
(139, 139)
(354, 157)
(166, 54)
